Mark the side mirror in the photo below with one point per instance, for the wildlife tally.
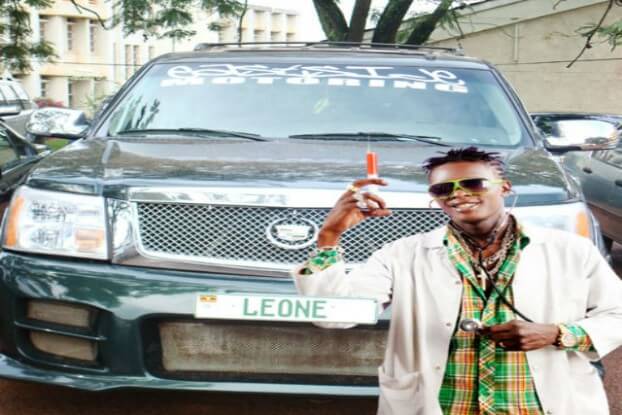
(57, 122)
(42, 149)
(578, 134)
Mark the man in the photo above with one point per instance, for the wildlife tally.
(488, 316)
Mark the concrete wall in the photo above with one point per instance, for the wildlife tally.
(532, 51)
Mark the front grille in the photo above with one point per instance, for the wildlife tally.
(236, 233)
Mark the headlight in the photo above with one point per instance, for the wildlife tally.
(56, 223)
(572, 217)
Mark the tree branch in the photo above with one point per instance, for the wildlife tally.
(240, 20)
(332, 20)
(358, 20)
(390, 21)
(425, 25)
(591, 33)
(80, 8)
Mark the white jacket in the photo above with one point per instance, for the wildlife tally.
(561, 278)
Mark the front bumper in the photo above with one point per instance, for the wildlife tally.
(130, 302)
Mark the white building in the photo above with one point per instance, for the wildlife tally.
(94, 62)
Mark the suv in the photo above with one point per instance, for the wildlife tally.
(206, 178)
(15, 105)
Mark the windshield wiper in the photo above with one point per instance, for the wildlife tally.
(372, 136)
(202, 132)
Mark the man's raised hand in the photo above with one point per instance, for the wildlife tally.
(348, 211)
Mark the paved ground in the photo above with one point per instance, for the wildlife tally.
(27, 399)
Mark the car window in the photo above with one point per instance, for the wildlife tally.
(8, 92)
(458, 105)
(8, 155)
(612, 157)
(19, 91)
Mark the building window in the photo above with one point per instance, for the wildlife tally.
(70, 23)
(44, 86)
(42, 23)
(92, 28)
(291, 23)
(129, 61)
(70, 94)
(136, 56)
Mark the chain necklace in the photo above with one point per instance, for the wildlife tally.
(491, 263)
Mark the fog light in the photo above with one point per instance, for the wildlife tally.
(64, 346)
(60, 313)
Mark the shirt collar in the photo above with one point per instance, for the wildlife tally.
(529, 235)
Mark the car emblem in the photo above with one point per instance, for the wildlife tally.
(292, 233)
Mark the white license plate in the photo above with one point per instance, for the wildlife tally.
(286, 308)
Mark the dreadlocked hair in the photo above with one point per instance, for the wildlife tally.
(471, 153)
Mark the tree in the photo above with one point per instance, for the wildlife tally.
(612, 33)
(151, 18)
(390, 26)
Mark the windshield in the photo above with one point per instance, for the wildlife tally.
(458, 106)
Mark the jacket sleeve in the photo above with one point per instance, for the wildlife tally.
(373, 280)
(603, 321)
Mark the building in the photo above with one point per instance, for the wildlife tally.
(532, 42)
(261, 23)
(94, 61)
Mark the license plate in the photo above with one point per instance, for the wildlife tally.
(286, 308)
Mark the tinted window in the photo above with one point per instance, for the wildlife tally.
(460, 106)
(7, 152)
(613, 157)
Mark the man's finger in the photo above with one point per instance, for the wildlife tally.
(375, 198)
(498, 328)
(375, 213)
(366, 182)
(510, 345)
(502, 335)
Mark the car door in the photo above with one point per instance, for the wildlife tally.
(607, 166)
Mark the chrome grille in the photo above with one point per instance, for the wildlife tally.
(238, 233)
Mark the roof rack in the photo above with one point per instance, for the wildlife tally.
(328, 44)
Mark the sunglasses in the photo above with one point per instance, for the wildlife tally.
(470, 185)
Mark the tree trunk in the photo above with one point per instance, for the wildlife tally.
(358, 20)
(390, 21)
(425, 25)
(333, 23)
(241, 19)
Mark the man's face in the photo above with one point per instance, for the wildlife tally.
(470, 207)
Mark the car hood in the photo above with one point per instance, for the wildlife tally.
(110, 167)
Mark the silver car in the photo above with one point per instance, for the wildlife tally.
(599, 172)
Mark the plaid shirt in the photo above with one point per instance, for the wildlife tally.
(480, 377)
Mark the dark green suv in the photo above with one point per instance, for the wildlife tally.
(205, 180)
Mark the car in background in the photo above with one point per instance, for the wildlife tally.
(598, 171)
(15, 105)
(17, 157)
